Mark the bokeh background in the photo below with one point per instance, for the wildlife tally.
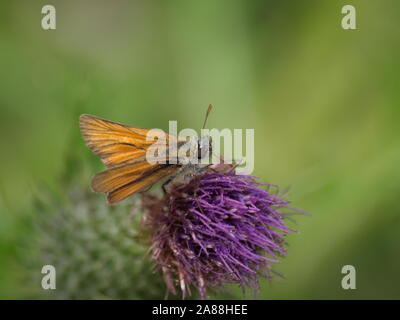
(324, 103)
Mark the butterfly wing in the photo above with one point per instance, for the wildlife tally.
(120, 182)
(123, 150)
(117, 177)
(115, 143)
(147, 179)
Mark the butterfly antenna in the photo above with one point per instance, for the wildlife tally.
(207, 113)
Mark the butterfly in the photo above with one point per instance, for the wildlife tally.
(123, 149)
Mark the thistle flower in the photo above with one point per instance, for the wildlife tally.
(216, 228)
(93, 247)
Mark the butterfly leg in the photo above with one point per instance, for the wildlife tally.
(165, 184)
(170, 179)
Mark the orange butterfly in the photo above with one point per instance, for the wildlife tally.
(123, 150)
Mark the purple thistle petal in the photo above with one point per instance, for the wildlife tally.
(215, 229)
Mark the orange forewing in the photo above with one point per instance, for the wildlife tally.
(116, 143)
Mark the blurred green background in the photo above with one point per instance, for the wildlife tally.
(324, 103)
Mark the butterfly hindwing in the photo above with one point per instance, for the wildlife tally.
(147, 179)
(114, 178)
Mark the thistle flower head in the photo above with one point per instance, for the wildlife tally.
(217, 228)
(93, 247)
